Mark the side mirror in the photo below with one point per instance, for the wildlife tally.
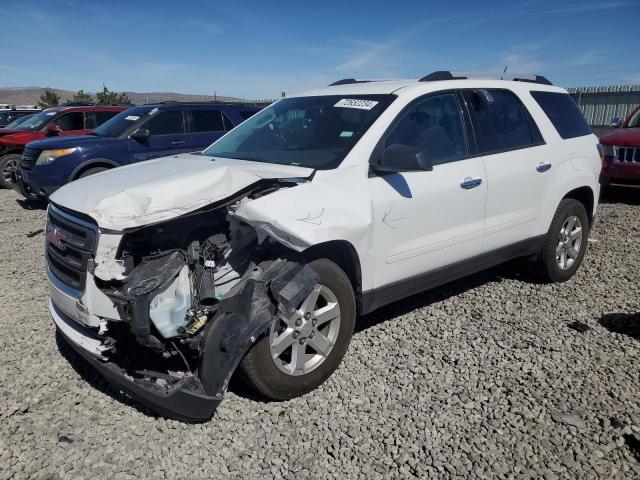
(616, 122)
(402, 158)
(141, 135)
(53, 130)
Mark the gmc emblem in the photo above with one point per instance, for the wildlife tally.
(55, 237)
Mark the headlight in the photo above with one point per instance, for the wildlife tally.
(48, 156)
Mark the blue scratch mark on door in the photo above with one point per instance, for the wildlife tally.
(388, 221)
(315, 220)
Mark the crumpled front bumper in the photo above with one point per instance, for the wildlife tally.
(181, 401)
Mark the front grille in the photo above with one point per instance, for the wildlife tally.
(70, 243)
(29, 157)
(626, 154)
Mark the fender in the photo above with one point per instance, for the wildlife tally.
(335, 207)
(90, 162)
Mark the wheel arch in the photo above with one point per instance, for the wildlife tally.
(93, 163)
(585, 196)
(343, 254)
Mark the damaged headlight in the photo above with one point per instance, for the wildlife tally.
(48, 156)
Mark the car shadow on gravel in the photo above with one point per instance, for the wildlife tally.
(510, 270)
(624, 323)
(27, 204)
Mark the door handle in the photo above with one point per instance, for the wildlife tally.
(178, 142)
(543, 167)
(469, 183)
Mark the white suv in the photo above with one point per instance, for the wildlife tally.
(261, 251)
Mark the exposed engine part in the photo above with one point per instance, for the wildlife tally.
(197, 324)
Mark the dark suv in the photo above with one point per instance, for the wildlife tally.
(140, 133)
(52, 122)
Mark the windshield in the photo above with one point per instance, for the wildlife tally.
(634, 121)
(18, 121)
(313, 132)
(122, 122)
(37, 121)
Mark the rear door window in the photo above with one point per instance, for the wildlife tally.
(564, 113)
(207, 121)
(168, 122)
(71, 121)
(95, 119)
(501, 121)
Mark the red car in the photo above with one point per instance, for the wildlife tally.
(48, 123)
(621, 164)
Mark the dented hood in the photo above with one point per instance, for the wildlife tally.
(165, 188)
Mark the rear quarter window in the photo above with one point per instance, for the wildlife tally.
(564, 113)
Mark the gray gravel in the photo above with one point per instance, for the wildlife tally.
(482, 378)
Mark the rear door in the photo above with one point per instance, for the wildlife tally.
(71, 123)
(426, 220)
(206, 126)
(96, 118)
(167, 136)
(519, 169)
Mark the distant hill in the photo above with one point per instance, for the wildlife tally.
(31, 95)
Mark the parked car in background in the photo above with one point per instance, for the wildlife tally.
(9, 115)
(621, 163)
(18, 121)
(140, 133)
(52, 122)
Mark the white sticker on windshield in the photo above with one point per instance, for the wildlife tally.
(133, 118)
(51, 113)
(153, 112)
(356, 103)
(346, 134)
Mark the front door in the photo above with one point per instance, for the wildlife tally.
(424, 220)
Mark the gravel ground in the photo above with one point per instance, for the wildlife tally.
(493, 376)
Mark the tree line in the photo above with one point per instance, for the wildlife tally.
(49, 98)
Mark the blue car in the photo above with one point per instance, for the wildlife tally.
(137, 134)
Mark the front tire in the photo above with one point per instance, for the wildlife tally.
(300, 352)
(565, 243)
(92, 171)
(8, 164)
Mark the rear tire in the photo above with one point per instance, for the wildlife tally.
(92, 171)
(8, 163)
(259, 369)
(565, 243)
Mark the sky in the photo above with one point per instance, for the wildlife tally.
(259, 49)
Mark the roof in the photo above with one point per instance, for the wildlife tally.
(401, 87)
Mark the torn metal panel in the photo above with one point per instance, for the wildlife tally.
(106, 266)
(165, 188)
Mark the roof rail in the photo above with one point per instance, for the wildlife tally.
(348, 81)
(447, 75)
(533, 79)
(440, 75)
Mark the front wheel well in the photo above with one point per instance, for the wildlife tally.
(84, 168)
(345, 256)
(585, 196)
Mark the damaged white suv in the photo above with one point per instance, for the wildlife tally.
(261, 251)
